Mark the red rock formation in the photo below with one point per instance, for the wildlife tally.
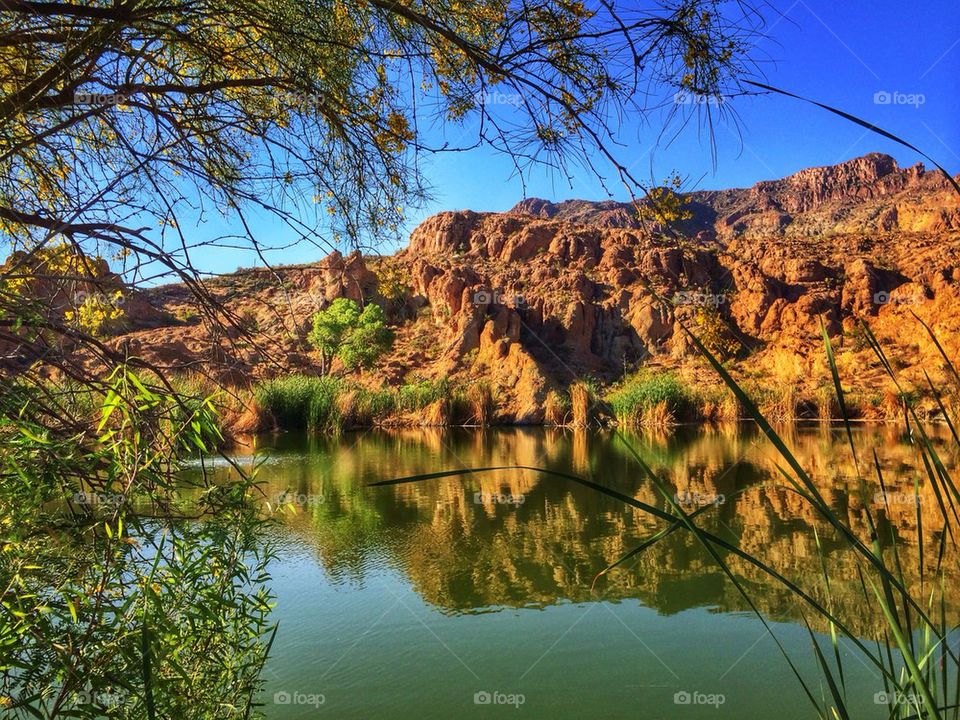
(548, 292)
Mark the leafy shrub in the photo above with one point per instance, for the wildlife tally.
(394, 285)
(97, 314)
(358, 337)
(98, 596)
(715, 334)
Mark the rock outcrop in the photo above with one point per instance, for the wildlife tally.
(530, 299)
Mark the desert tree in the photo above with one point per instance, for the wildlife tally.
(355, 335)
(124, 124)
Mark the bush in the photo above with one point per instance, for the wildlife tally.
(643, 392)
(358, 337)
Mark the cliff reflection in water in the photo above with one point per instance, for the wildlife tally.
(531, 540)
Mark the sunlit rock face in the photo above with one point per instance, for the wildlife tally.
(595, 290)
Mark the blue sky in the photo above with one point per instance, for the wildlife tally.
(842, 53)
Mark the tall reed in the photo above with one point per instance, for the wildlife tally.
(580, 402)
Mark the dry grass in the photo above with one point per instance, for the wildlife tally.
(659, 415)
(780, 404)
(825, 399)
(250, 418)
(580, 401)
(349, 411)
(481, 404)
(710, 410)
(730, 408)
(436, 413)
(556, 409)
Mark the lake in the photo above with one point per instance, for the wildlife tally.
(477, 597)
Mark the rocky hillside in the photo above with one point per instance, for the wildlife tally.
(531, 299)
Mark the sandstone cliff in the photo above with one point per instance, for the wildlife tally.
(530, 299)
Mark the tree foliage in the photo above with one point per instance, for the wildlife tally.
(119, 117)
(357, 337)
(393, 285)
(124, 588)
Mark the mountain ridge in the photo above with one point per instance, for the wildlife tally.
(532, 299)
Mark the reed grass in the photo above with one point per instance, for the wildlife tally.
(299, 402)
(437, 413)
(479, 398)
(556, 408)
(331, 405)
(645, 398)
(581, 399)
(923, 669)
(419, 395)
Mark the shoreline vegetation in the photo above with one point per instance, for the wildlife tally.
(645, 399)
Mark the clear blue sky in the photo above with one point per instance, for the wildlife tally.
(840, 52)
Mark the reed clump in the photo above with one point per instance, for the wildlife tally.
(658, 415)
(437, 413)
(479, 398)
(300, 402)
(651, 398)
(556, 408)
(581, 399)
(415, 396)
(825, 400)
(779, 403)
(373, 408)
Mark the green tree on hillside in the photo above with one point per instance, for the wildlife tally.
(358, 337)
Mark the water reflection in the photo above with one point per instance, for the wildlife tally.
(518, 538)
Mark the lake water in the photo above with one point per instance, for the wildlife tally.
(475, 597)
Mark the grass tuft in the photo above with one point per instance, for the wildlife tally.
(647, 398)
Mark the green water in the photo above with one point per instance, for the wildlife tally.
(411, 601)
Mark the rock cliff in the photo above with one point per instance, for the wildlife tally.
(533, 298)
